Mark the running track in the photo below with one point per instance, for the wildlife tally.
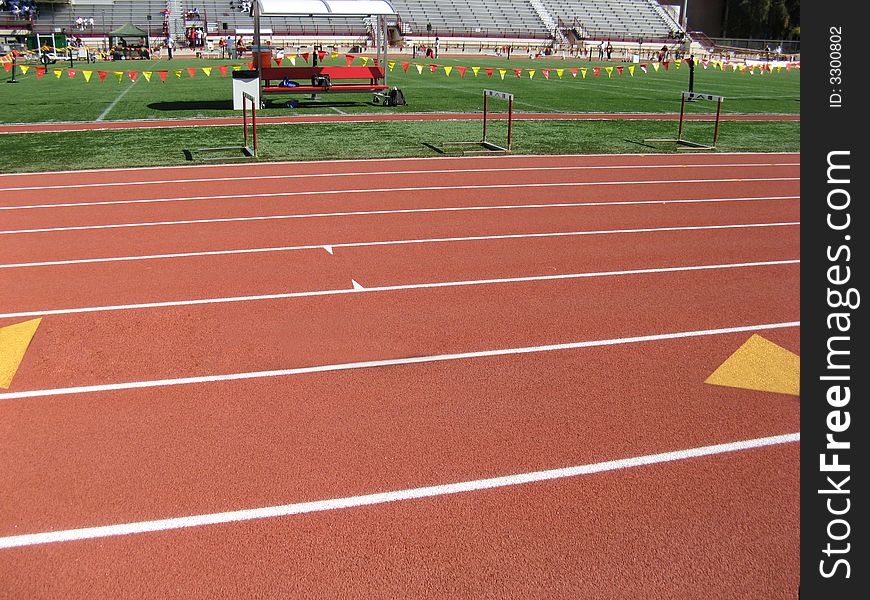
(451, 377)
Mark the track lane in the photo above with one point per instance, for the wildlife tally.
(198, 236)
(187, 278)
(135, 455)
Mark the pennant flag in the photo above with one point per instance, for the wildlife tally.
(321, 54)
(133, 75)
(778, 68)
(518, 72)
(561, 72)
(333, 55)
(391, 64)
(223, 70)
(419, 69)
(119, 75)
(207, 71)
(304, 56)
(705, 63)
(574, 73)
(250, 66)
(609, 71)
(163, 75)
(545, 73)
(501, 72)
(461, 71)
(40, 71)
(787, 67)
(24, 69)
(7, 66)
(177, 73)
(656, 66)
(237, 67)
(292, 59)
(363, 59)
(349, 58)
(596, 71)
(619, 70)
(71, 73)
(87, 75)
(191, 71)
(432, 68)
(583, 72)
(666, 63)
(643, 68)
(447, 70)
(147, 75)
(531, 73)
(102, 75)
(57, 73)
(476, 69)
(631, 70)
(489, 71)
(279, 60)
(678, 62)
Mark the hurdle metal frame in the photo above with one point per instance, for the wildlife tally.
(487, 146)
(248, 149)
(690, 145)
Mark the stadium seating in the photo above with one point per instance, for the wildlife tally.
(614, 19)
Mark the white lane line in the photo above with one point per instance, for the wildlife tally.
(397, 189)
(388, 288)
(131, 385)
(397, 173)
(287, 510)
(330, 247)
(113, 104)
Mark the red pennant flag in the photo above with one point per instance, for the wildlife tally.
(278, 61)
(596, 71)
(71, 73)
(349, 58)
(518, 72)
(489, 72)
(133, 75)
(304, 56)
(461, 71)
(573, 72)
(432, 68)
(40, 71)
(643, 68)
(619, 69)
(163, 75)
(250, 66)
(7, 66)
(223, 70)
(665, 63)
(191, 71)
(405, 66)
(546, 73)
(102, 75)
(321, 54)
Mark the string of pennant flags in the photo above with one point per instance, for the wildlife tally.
(406, 66)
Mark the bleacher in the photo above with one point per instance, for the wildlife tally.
(627, 20)
(471, 18)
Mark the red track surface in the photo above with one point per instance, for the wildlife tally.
(719, 526)
(368, 118)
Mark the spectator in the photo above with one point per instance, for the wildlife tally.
(609, 49)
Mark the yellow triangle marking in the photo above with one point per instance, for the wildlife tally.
(14, 340)
(760, 365)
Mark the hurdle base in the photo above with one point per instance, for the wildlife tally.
(226, 153)
(689, 144)
(483, 147)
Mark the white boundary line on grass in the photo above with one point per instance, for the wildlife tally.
(287, 510)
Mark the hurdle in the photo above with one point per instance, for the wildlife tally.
(485, 146)
(247, 150)
(683, 144)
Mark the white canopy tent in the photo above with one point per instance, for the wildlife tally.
(379, 10)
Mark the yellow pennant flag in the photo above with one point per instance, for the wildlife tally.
(87, 75)
(678, 62)
(502, 72)
(177, 73)
(391, 64)
(609, 71)
(207, 71)
(447, 70)
(334, 55)
(292, 59)
(419, 68)
(779, 68)
(560, 72)
(583, 72)
(631, 70)
(57, 73)
(531, 73)
(475, 70)
(364, 60)
(237, 67)
(24, 69)
(656, 66)
(147, 75)
(119, 75)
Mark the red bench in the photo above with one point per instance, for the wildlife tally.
(374, 77)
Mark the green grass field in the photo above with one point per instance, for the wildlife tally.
(66, 99)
